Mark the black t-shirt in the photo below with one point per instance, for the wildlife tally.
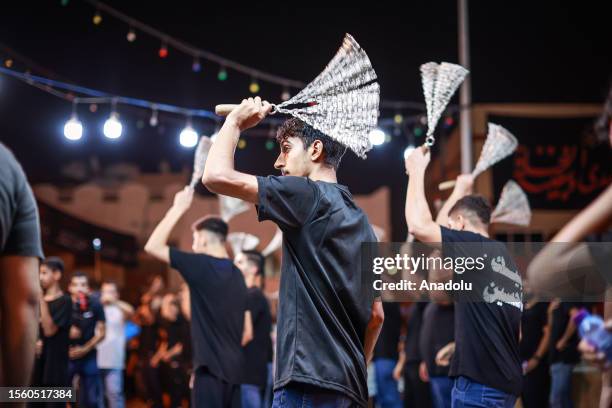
(437, 330)
(325, 303)
(386, 346)
(85, 318)
(413, 332)
(218, 303)
(533, 322)
(256, 352)
(54, 357)
(487, 326)
(19, 223)
(147, 341)
(177, 331)
(560, 319)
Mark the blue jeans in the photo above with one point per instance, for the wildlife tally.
(561, 385)
(89, 380)
(387, 395)
(269, 386)
(296, 396)
(112, 381)
(441, 390)
(250, 396)
(470, 394)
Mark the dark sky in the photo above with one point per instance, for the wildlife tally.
(521, 52)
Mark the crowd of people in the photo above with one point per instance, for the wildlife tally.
(213, 338)
(115, 350)
(111, 351)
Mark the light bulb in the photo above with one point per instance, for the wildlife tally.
(112, 127)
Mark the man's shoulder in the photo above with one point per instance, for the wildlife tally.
(452, 235)
(256, 294)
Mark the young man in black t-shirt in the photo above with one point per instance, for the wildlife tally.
(171, 351)
(220, 322)
(535, 335)
(328, 321)
(386, 355)
(51, 368)
(87, 331)
(563, 352)
(257, 352)
(486, 363)
(437, 331)
(20, 254)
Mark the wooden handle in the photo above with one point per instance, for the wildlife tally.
(225, 109)
(445, 185)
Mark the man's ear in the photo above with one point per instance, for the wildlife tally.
(461, 222)
(317, 150)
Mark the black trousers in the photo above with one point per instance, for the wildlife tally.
(211, 392)
(536, 387)
(417, 393)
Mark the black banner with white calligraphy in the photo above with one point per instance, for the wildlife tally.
(554, 162)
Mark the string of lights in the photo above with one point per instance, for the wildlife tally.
(410, 126)
(198, 54)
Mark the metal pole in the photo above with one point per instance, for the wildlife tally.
(465, 96)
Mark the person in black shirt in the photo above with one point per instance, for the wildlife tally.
(170, 353)
(486, 362)
(563, 352)
(328, 319)
(534, 347)
(220, 322)
(20, 254)
(147, 346)
(437, 334)
(386, 355)
(55, 320)
(438, 330)
(257, 351)
(87, 330)
(416, 390)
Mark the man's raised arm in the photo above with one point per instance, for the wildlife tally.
(463, 187)
(418, 216)
(157, 245)
(220, 176)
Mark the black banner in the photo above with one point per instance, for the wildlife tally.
(553, 163)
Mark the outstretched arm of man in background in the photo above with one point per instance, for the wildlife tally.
(220, 176)
(418, 216)
(551, 267)
(157, 245)
(463, 187)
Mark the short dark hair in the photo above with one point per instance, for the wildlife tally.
(474, 205)
(56, 264)
(258, 259)
(212, 224)
(332, 150)
(80, 274)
